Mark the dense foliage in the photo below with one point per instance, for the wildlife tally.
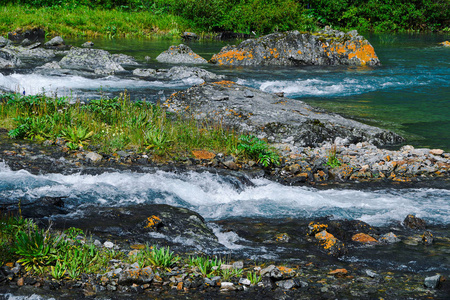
(263, 16)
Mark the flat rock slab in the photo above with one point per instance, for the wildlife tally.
(277, 119)
(294, 48)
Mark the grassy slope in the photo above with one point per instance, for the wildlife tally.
(85, 22)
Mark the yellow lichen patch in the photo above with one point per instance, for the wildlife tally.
(299, 52)
(225, 83)
(327, 240)
(152, 222)
(363, 238)
(282, 237)
(445, 44)
(203, 154)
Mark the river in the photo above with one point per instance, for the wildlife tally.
(409, 93)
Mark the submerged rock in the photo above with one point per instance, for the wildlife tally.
(279, 120)
(180, 54)
(293, 48)
(90, 59)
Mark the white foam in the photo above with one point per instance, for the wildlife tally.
(34, 84)
(216, 197)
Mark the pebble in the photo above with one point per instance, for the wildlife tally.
(108, 245)
(433, 281)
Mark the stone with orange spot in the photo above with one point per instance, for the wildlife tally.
(203, 154)
(363, 238)
(338, 272)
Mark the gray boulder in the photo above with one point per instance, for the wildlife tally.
(56, 42)
(30, 52)
(179, 73)
(6, 64)
(293, 48)
(182, 72)
(90, 60)
(279, 120)
(4, 42)
(87, 44)
(123, 59)
(180, 54)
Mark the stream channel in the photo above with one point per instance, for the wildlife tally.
(409, 93)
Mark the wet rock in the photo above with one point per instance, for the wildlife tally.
(4, 42)
(55, 43)
(427, 238)
(180, 54)
(432, 282)
(53, 65)
(330, 244)
(141, 222)
(87, 44)
(41, 207)
(30, 53)
(33, 35)
(189, 36)
(363, 238)
(144, 72)
(183, 72)
(8, 59)
(90, 60)
(26, 42)
(268, 282)
(271, 118)
(413, 222)
(389, 238)
(371, 274)
(292, 48)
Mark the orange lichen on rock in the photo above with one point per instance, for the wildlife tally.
(327, 240)
(315, 227)
(338, 272)
(363, 238)
(203, 154)
(152, 222)
(364, 53)
(225, 83)
(446, 44)
(231, 55)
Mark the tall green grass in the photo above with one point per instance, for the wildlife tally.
(110, 125)
(82, 21)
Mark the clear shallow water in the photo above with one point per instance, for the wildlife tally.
(409, 93)
(217, 197)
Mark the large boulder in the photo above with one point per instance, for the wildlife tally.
(4, 42)
(90, 60)
(180, 54)
(293, 48)
(277, 119)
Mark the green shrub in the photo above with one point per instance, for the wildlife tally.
(258, 150)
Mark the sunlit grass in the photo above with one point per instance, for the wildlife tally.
(83, 21)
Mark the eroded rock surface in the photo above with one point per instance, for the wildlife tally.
(293, 48)
(91, 60)
(178, 73)
(180, 54)
(277, 119)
